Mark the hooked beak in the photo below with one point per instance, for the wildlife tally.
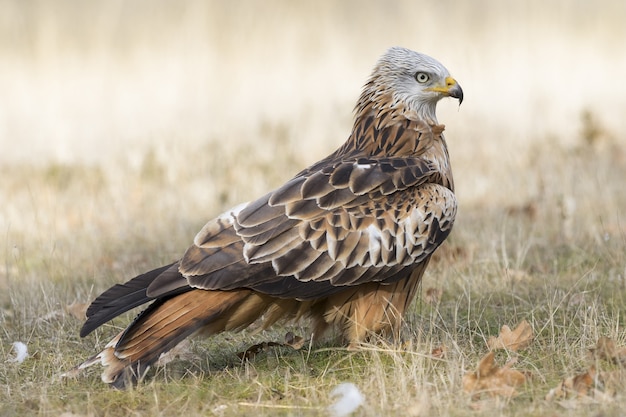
(451, 89)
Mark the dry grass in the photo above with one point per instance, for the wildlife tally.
(125, 126)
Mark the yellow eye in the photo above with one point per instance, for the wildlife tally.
(422, 77)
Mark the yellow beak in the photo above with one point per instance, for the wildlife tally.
(451, 89)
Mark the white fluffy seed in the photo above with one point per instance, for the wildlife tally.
(21, 352)
(349, 399)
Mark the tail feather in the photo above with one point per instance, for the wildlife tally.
(168, 321)
(122, 297)
(357, 311)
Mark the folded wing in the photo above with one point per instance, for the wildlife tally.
(348, 222)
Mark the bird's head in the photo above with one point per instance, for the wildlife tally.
(409, 82)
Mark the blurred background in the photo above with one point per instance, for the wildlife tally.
(170, 86)
(126, 125)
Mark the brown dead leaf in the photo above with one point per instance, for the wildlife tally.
(77, 310)
(591, 386)
(439, 352)
(433, 296)
(294, 341)
(513, 340)
(490, 379)
(577, 386)
(607, 350)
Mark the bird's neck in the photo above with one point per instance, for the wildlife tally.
(384, 128)
(397, 132)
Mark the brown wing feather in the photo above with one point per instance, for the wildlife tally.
(309, 229)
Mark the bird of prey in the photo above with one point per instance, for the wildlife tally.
(345, 242)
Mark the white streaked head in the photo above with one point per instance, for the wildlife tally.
(415, 81)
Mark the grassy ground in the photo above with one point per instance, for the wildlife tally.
(555, 260)
(98, 187)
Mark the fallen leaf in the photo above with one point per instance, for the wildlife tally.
(490, 379)
(591, 386)
(607, 350)
(294, 341)
(513, 340)
(77, 310)
(439, 352)
(577, 385)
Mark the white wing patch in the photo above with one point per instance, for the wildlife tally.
(375, 246)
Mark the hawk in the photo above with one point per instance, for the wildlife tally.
(345, 242)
